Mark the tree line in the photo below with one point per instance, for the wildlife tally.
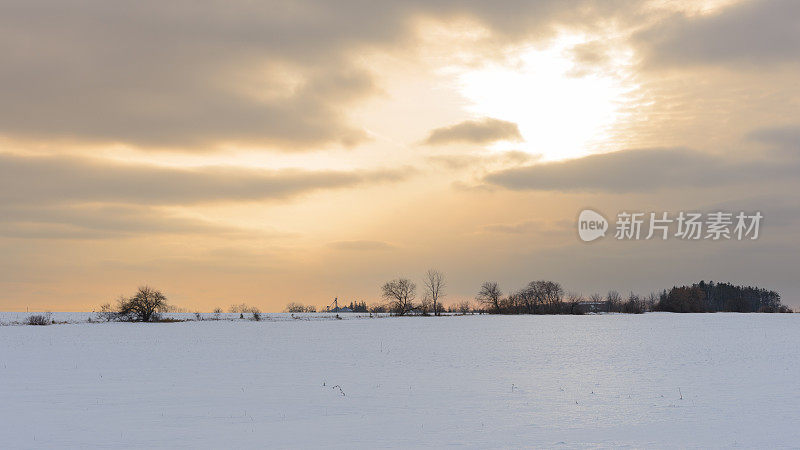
(149, 304)
(550, 297)
(720, 297)
(537, 297)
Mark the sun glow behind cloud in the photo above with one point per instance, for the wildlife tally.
(564, 108)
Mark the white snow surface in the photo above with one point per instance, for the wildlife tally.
(475, 381)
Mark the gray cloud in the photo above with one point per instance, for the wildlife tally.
(190, 75)
(785, 140)
(481, 131)
(61, 180)
(750, 33)
(529, 227)
(592, 53)
(480, 161)
(780, 210)
(153, 74)
(100, 221)
(641, 170)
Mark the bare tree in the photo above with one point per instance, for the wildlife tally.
(634, 304)
(107, 312)
(650, 302)
(464, 307)
(512, 304)
(400, 294)
(295, 308)
(574, 301)
(490, 295)
(597, 302)
(543, 296)
(526, 298)
(378, 308)
(144, 306)
(553, 294)
(434, 289)
(242, 309)
(614, 301)
(425, 306)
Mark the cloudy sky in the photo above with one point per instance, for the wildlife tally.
(276, 151)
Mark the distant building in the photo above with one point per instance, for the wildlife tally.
(590, 306)
(335, 308)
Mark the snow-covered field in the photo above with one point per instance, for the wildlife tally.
(19, 318)
(480, 381)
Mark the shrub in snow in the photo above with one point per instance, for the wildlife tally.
(107, 313)
(39, 319)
